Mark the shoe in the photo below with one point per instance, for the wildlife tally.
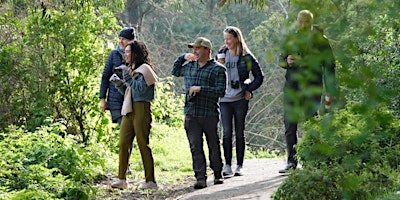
(148, 185)
(119, 184)
(239, 171)
(200, 184)
(218, 179)
(227, 170)
(288, 167)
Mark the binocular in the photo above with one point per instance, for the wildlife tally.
(235, 84)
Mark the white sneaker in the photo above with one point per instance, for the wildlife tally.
(239, 171)
(227, 170)
(148, 185)
(120, 184)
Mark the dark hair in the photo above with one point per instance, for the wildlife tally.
(139, 54)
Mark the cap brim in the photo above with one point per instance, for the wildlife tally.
(191, 45)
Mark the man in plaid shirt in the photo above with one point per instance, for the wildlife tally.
(205, 82)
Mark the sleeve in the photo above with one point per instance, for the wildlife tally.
(178, 69)
(138, 84)
(257, 74)
(107, 72)
(121, 89)
(329, 68)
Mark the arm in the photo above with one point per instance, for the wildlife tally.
(177, 69)
(257, 74)
(220, 82)
(138, 84)
(329, 70)
(107, 72)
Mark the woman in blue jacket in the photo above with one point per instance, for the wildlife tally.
(138, 88)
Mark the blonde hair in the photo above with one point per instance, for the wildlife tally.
(241, 48)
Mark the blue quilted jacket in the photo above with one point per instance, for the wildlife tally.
(107, 89)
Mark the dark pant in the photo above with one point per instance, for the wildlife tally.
(294, 112)
(234, 111)
(116, 116)
(195, 127)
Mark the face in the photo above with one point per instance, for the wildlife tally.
(123, 42)
(128, 55)
(230, 41)
(202, 53)
(304, 22)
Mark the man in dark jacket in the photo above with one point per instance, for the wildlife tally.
(111, 99)
(310, 65)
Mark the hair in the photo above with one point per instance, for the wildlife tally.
(241, 48)
(305, 14)
(140, 54)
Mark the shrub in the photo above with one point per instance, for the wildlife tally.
(351, 154)
(44, 161)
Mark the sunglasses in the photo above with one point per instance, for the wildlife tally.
(231, 31)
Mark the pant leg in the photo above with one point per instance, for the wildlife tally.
(142, 125)
(116, 116)
(194, 134)
(210, 127)
(240, 112)
(291, 140)
(291, 116)
(126, 137)
(227, 124)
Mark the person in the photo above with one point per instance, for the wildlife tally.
(138, 86)
(110, 98)
(239, 62)
(310, 65)
(205, 82)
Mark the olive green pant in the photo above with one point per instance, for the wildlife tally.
(137, 123)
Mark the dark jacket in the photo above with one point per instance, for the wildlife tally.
(314, 65)
(108, 89)
(246, 64)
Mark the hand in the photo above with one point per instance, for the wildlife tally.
(103, 105)
(194, 90)
(247, 95)
(190, 57)
(329, 99)
(125, 72)
(116, 80)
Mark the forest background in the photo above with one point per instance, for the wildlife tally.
(56, 143)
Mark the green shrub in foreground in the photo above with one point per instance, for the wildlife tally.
(351, 154)
(43, 161)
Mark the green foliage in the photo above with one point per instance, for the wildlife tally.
(32, 195)
(50, 68)
(167, 107)
(351, 154)
(46, 162)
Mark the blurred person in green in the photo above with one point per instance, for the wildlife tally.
(310, 72)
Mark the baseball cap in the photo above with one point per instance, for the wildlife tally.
(201, 42)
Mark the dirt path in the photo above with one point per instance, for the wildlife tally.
(260, 180)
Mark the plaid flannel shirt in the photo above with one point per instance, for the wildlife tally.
(211, 78)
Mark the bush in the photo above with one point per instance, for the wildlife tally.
(351, 154)
(44, 161)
